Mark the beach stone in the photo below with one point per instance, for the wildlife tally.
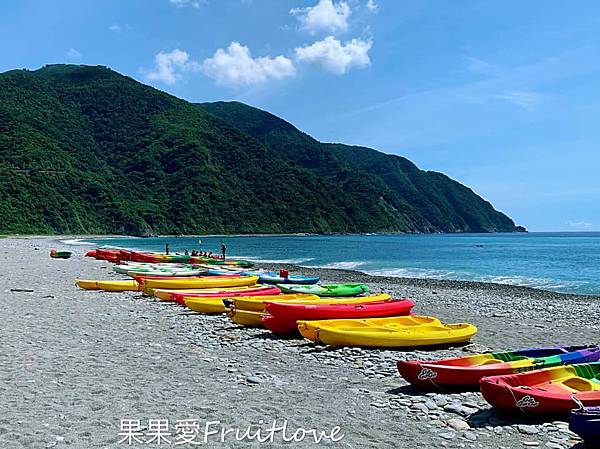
(438, 423)
(471, 436)
(430, 405)
(459, 409)
(458, 424)
(253, 380)
(447, 435)
(568, 433)
(379, 404)
(531, 443)
(440, 400)
(528, 430)
(421, 407)
(552, 445)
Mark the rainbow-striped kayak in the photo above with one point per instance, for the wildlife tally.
(465, 372)
(551, 391)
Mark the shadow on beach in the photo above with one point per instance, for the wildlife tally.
(491, 416)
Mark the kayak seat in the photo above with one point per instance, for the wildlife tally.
(579, 384)
(491, 362)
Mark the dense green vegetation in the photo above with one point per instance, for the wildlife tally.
(86, 150)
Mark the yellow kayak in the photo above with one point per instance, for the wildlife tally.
(200, 282)
(393, 332)
(246, 317)
(206, 304)
(256, 303)
(167, 294)
(108, 286)
(216, 305)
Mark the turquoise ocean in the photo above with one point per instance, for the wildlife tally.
(561, 262)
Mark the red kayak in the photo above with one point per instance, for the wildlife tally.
(124, 255)
(550, 391)
(135, 256)
(110, 255)
(258, 291)
(141, 277)
(282, 317)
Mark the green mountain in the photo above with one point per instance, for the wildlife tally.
(84, 149)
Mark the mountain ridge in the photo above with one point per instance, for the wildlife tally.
(84, 149)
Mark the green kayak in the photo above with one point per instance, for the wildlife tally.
(326, 290)
(60, 254)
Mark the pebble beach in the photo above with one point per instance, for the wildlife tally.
(75, 363)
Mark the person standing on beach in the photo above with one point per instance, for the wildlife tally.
(167, 249)
(223, 249)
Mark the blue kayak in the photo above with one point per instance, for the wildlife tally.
(585, 422)
(274, 278)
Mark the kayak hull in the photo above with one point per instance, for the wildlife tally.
(331, 290)
(274, 278)
(257, 303)
(169, 294)
(108, 286)
(586, 423)
(393, 332)
(548, 391)
(200, 282)
(258, 291)
(466, 372)
(247, 318)
(283, 316)
(208, 305)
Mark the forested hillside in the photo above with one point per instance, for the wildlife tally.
(84, 149)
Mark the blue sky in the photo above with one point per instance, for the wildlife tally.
(500, 95)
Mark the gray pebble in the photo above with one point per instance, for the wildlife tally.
(528, 430)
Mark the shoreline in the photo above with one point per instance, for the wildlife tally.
(286, 234)
(345, 273)
(75, 362)
(348, 275)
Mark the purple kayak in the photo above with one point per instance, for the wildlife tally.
(585, 422)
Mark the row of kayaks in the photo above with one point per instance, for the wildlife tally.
(540, 381)
(189, 270)
(332, 314)
(120, 255)
(550, 381)
(543, 381)
(368, 321)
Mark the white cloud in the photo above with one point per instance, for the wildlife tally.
(73, 54)
(523, 99)
(334, 56)
(169, 66)
(115, 28)
(372, 6)
(185, 3)
(477, 65)
(324, 16)
(236, 66)
(581, 225)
